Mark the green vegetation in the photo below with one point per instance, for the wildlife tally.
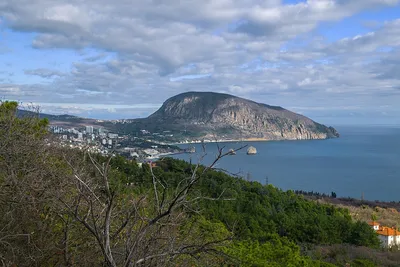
(276, 252)
(384, 213)
(71, 208)
(342, 254)
(262, 214)
(256, 211)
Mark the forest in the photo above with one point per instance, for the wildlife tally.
(65, 207)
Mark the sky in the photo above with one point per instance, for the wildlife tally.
(336, 61)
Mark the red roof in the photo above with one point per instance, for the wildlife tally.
(387, 231)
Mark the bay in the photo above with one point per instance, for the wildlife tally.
(365, 160)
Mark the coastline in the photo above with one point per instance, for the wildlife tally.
(255, 139)
(225, 141)
(166, 154)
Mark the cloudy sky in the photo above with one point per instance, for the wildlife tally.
(337, 61)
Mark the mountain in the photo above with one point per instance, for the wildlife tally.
(30, 113)
(65, 120)
(207, 115)
(223, 116)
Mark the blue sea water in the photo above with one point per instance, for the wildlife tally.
(364, 160)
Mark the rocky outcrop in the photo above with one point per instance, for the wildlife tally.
(251, 150)
(228, 117)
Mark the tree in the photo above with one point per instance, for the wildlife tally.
(131, 227)
(25, 176)
(362, 235)
(277, 252)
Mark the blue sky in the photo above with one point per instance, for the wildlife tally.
(336, 61)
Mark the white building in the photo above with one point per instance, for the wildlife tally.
(151, 152)
(134, 154)
(388, 236)
(89, 129)
(112, 135)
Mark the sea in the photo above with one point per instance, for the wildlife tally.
(363, 163)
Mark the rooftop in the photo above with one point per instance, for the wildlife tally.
(387, 231)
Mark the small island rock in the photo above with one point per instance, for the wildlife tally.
(251, 150)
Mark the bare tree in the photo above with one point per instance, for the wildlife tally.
(133, 229)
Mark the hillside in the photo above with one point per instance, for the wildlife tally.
(223, 116)
(30, 113)
(64, 120)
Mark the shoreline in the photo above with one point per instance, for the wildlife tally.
(243, 140)
(227, 141)
(166, 154)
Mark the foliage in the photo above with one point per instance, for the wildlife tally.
(256, 211)
(25, 228)
(363, 263)
(277, 251)
(342, 254)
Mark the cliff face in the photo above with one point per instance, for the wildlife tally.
(229, 117)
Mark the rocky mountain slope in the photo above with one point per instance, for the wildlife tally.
(223, 116)
(207, 115)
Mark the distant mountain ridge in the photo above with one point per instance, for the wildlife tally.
(63, 117)
(216, 115)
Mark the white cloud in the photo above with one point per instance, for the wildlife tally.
(9, 89)
(151, 50)
(44, 73)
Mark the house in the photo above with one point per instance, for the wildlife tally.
(152, 164)
(388, 236)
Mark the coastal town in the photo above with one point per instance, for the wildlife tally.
(143, 146)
